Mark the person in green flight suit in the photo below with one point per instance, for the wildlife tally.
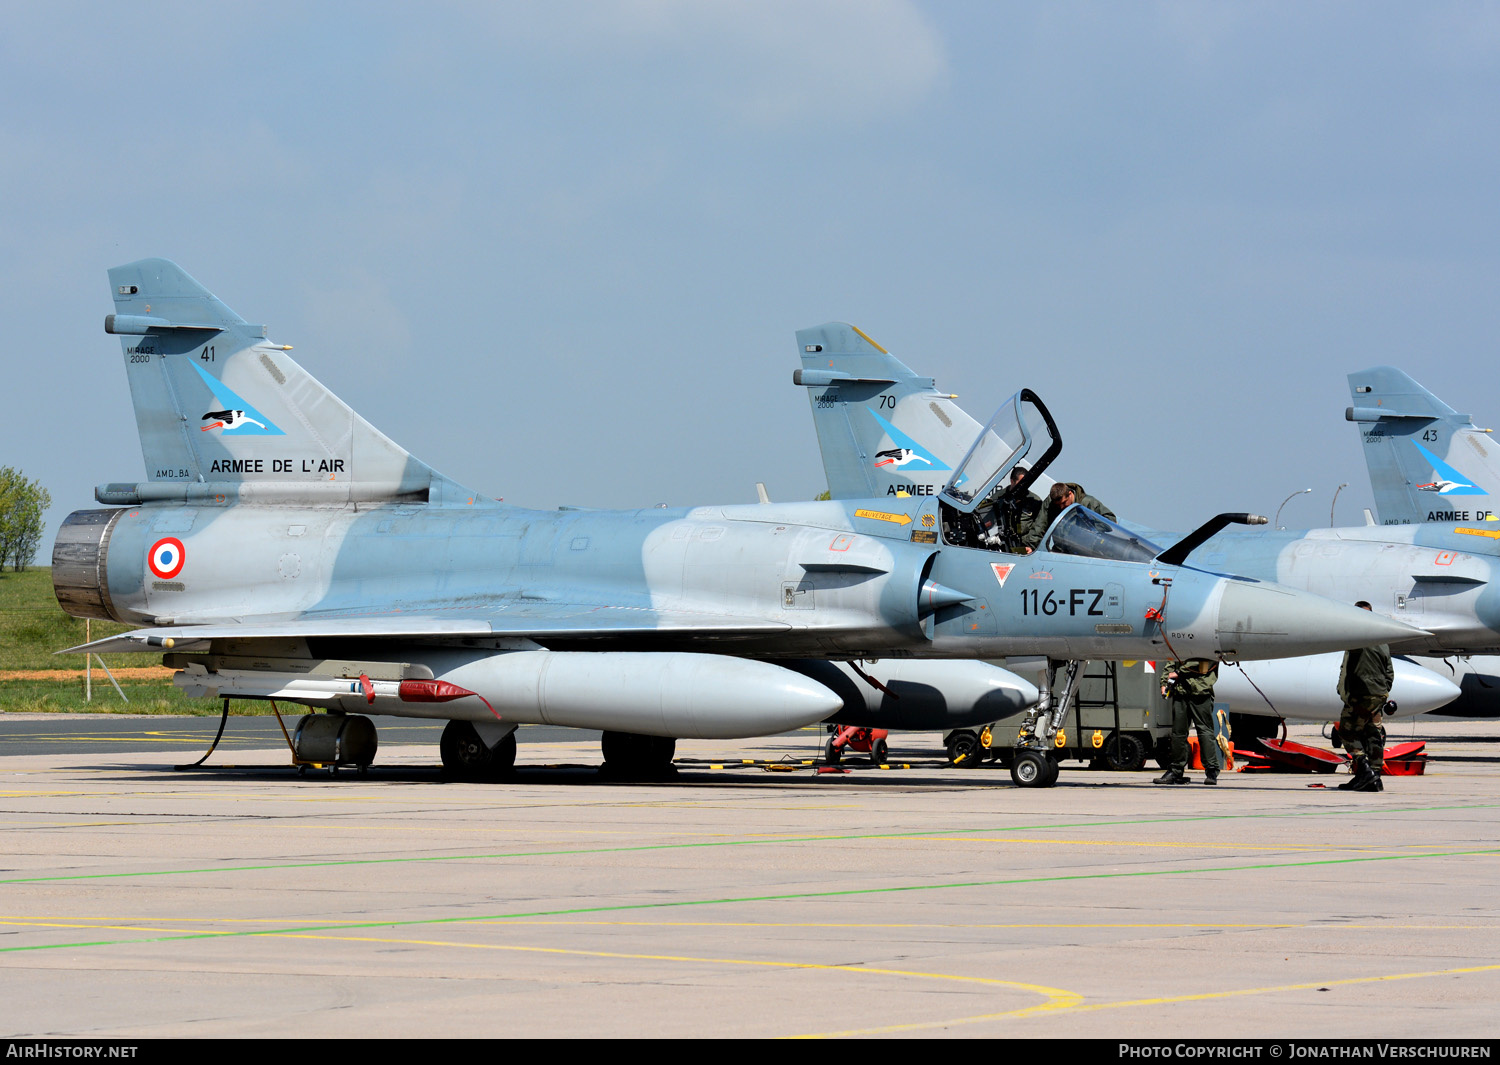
(1365, 686)
(1190, 686)
(1063, 495)
(1013, 513)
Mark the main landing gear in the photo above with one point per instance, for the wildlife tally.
(1035, 764)
(469, 754)
(630, 755)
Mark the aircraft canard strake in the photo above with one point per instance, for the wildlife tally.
(282, 547)
(1438, 577)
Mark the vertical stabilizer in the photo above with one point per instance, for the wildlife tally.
(1427, 462)
(224, 413)
(882, 430)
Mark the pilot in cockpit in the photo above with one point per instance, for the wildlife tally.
(1013, 512)
(1064, 494)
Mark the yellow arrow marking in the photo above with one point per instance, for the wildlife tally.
(1494, 535)
(905, 519)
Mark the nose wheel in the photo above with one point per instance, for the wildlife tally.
(1033, 769)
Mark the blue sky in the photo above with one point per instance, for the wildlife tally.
(559, 251)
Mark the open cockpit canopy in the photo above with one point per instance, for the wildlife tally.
(1021, 429)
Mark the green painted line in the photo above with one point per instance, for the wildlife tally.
(852, 837)
(743, 899)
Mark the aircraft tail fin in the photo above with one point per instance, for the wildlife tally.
(224, 414)
(1426, 461)
(882, 429)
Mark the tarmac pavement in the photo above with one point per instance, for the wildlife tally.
(738, 900)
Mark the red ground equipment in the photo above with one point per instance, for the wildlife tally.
(867, 740)
(1291, 756)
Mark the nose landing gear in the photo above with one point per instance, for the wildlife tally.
(1034, 765)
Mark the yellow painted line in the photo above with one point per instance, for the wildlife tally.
(1080, 1006)
(1197, 845)
(155, 822)
(104, 927)
(1057, 998)
(94, 922)
(1313, 986)
(164, 924)
(962, 925)
(27, 793)
(880, 515)
(1493, 534)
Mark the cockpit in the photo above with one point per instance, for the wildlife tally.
(979, 506)
(1079, 531)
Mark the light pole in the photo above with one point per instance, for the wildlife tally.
(1284, 502)
(1335, 502)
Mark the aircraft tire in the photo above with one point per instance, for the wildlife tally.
(964, 749)
(503, 758)
(1033, 769)
(879, 752)
(833, 755)
(1124, 752)
(629, 754)
(465, 755)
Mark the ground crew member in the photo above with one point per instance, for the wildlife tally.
(1190, 686)
(1064, 494)
(1365, 686)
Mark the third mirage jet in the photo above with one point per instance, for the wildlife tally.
(1430, 464)
(1427, 462)
(282, 548)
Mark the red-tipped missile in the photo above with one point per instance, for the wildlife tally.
(430, 691)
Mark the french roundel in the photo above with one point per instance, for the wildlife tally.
(166, 558)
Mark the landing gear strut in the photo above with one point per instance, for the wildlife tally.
(1034, 764)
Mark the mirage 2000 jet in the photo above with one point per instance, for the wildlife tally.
(292, 552)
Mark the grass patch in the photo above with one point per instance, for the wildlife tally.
(155, 697)
(33, 627)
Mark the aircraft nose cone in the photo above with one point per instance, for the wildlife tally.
(1268, 621)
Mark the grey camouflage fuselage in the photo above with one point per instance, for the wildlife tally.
(282, 547)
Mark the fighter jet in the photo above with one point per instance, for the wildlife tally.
(861, 396)
(302, 555)
(1437, 576)
(1416, 445)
